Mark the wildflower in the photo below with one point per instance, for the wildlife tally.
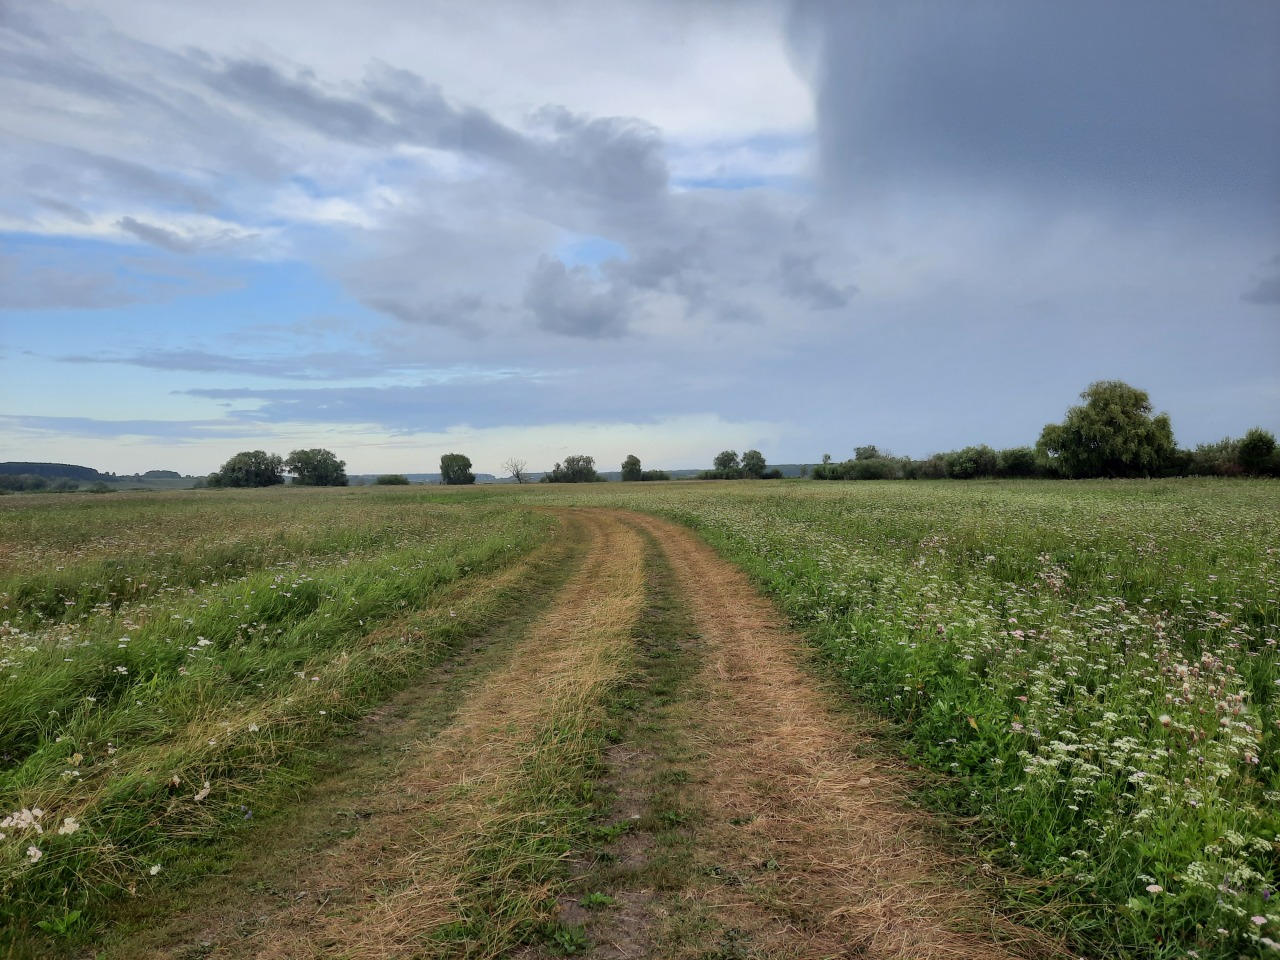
(1154, 888)
(1165, 720)
(204, 791)
(155, 868)
(253, 728)
(69, 826)
(34, 854)
(122, 669)
(1260, 921)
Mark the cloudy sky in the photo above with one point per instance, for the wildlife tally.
(510, 228)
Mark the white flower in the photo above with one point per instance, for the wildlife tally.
(253, 728)
(69, 825)
(122, 669)
(155, 868)
(34, 854)
(204, 791)
(1154, 888)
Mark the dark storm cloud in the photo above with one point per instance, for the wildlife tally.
(800, 282)
(1172, 102)
(1266, 289)
(573, 302)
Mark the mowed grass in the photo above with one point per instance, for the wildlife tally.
(199, 646)
(1092, 666)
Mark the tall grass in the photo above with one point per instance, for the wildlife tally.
(147, 723)
(1092, 665)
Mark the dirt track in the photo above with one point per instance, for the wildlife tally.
(803, 848)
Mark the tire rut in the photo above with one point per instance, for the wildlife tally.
(819, 852)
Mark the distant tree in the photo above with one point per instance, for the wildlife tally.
(577, 469)
(979, 461)
(1113, 434)
(631, 468)
(655, 475)
(727, 460)
(1257, 450)
(753, 464)
(162, 475)
(516, 467)
(1017, 462)
(826, 458)
(392, 480)
(23, 481)
(251, 468)
(316, 468)
(1221, 459)
(455, 469)
(866, 453)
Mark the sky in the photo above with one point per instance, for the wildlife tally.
(507, 229)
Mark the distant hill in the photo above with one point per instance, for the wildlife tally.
(52, 471)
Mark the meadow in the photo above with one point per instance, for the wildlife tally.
(168, 661)
(1090, 668)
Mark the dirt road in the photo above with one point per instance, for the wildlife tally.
(647, 769)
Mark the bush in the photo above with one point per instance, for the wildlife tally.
(22, 482)
(655, 475)
(251, 468)
(971, 462)
(392, 480)
(577, 469)
(1257, 450)
(1017, 462)
(455, 469)
(317, 468)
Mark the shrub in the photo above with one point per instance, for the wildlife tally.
(392, 480)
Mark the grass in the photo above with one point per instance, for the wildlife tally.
(1092, 666)
(144, 726)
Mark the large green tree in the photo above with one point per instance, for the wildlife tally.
(250, 468)
(317, 468)
(1112, 434)
(753, 464)
(577, 468)
(455, 469)
(1256, 449)
(631, 468)
(727, 460)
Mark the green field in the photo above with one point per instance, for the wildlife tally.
(1090, 668)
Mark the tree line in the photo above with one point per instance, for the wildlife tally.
(1114, 433)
